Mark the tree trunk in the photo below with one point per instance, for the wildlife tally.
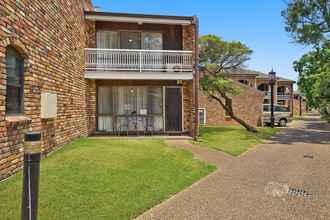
(230, 111)
(244, 124)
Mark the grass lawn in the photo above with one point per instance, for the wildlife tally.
(105, 179)
(233, 140)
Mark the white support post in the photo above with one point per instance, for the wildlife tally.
(140, 61)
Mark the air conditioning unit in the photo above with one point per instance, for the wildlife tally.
(173, 68)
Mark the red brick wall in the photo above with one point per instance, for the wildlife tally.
(51, 36)
(296, 107)
(188, 107)
(188, 43)
(247, 105)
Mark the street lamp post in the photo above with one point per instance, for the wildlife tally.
(272, 81)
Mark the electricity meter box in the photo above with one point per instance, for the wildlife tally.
(48, 105)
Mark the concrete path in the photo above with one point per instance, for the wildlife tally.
(288, 177)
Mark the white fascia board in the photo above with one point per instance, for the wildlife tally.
(139, 76)
(137, 20)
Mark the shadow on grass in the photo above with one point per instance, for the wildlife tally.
(233, 140)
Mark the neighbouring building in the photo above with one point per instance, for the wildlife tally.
(283, 90)
(254, 92)
(300, 107)
(107, 73)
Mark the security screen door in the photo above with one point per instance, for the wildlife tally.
(173, 109)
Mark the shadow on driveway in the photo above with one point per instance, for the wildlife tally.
(313, 132)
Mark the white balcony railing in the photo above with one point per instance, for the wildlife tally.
(138, 60)
(280, 96)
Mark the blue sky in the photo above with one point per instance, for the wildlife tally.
(257, 23)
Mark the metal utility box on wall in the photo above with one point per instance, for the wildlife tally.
(48, 105)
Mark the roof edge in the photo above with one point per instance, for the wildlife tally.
(137, 15)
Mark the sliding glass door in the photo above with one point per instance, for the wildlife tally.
(130, 40)
(130, 109)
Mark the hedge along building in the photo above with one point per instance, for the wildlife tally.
(114, 87)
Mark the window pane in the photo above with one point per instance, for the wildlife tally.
(266, 108)
(152, 41)
(283, 109)
(244, 81)
(155, 100)
(130, 40)
(13, 104)
(108, 39)
(130, 108)
(202, 116)
(14, 70)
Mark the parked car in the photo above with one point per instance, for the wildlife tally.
(282, 115)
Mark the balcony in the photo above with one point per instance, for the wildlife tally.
(129, 62)
(280, 96)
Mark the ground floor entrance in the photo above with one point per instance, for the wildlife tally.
(139, 109)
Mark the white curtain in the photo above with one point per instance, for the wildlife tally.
(130, 108)
(107, 39)
(105, 119)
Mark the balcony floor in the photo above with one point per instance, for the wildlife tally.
(130, 75)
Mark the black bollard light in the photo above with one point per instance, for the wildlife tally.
(32, 155)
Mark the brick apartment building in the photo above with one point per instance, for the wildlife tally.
(254, 92)
(68, 71)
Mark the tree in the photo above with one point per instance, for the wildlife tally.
(308, 21)
(325, 99)
(216, 57)
(313, 68)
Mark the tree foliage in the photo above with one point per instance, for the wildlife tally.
(216, 57)
(308, 21)
(313, 68)
(325, 98)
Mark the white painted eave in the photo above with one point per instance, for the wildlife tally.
(138, 20)
(139, 76)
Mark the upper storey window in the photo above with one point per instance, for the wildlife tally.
(14, 94)
(152, 41)
(108, 39)
(244, 81)
(130, 40)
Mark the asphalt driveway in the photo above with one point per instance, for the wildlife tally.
(288, 177)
